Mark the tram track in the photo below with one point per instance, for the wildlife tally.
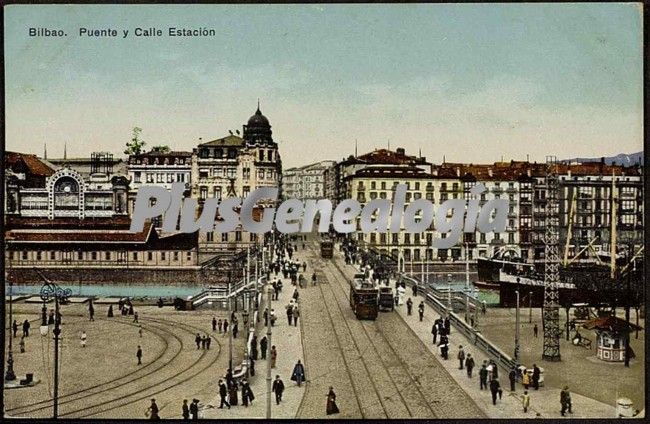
(162, 329)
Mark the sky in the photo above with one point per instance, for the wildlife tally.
(470, 82)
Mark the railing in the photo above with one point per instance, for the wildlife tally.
(490, 349)
(220, 294)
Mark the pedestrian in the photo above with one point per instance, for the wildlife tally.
(494, 389)
(296, 295)
(296, 314)
(313, 279)
(461, 357)
(565, 400)
(254, 347)
(331, 403)
(15, 327)
(197, 340)
(444, 351)
(152, 411)
(91, 311)
(512, 376)
(278, 389)
(223, 394)
(421, 310)
(525, 380)
(230, 381)
(525, 401)
(274, 356)
(26, 326)
(263, 345)
(252, 365)
(22, 344)
(208, 340)
(304, 266)
(535, 330)
(273, 317)
(536, 374)
(160, 302)
(469, 365)
(447, 324)
(194, 409)
(225, 326)
(409, 306)
(220, 325)
(186, 411)
(140, 330)
(483, 375)
(490, 369)
(235, 329)
(415, 290)
(135, 317)
(131, 311)
(246, 393)
(266, 317)
(83, 339)
(110, 311)
(298, 374)
(138, 355)
(434, 331)
(203, 342)
(214, 324)
(289, 312)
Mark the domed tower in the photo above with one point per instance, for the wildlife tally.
(258, 130)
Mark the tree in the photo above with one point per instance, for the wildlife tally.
(135, 146)
(160, 149)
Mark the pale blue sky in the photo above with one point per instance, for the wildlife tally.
(472, 82)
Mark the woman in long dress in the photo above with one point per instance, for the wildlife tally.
(331, 402)
(274, 356)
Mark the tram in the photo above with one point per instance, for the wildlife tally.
(364, 299)
(326, 249)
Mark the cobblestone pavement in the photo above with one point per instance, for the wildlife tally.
(579, 367)
(378, 369)
(545, 402)
(103, 379)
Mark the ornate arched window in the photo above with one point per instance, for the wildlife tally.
(66, 193)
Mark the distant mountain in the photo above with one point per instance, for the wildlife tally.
(620, 159)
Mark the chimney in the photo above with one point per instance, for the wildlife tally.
(490, 172)
(401, 151)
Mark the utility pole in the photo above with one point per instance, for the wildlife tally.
(230, 317)
(269, 290)
(467, 288)
(517, 328)
(627, 312)
(10, 375)
(530, 307)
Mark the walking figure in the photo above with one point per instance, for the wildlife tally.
(494, 389)
(536, 374)
(483, 375)
(223, 393)
(434, 331)
(296, 314)
(409, 306)
(220, 325)
(565, 400)
(525, 400)
(274, 356)
(91, 311)
(22, 344)
(15, 327)
(197, 340)
(263, 346)
(512, 376)
(298, 374)
(525, 380)
(461, 357)
(535, 330)
(278, 389)
(152, 411)
(135, 317)
(26, 326)
(214, 324)
(421, 310)
(469, 365)
(246, 393)
(331, 407)
(186, 410)
(138, 355)
(110, 311)
(83, 339)
(194, 409)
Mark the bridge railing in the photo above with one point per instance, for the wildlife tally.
(474, 336)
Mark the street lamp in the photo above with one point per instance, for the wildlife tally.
(52, 291)
(517, 325)
(10, 375)
(530, 307)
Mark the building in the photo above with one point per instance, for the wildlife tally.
(305, 182)
(159, 168)
(234, 166)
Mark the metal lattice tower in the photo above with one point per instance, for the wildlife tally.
(551, 312)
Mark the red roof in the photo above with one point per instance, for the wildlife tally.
(33, 164)
(610, 323)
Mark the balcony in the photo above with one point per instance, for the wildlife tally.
(497, 190)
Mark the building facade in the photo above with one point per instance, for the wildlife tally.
(305, 182)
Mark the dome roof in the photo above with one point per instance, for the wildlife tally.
(258, 120)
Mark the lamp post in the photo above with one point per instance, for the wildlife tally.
(230, 316)
(269, 292)
(530, 307)
(517, 325)
(466, 282)
(53, 291)
(10, 375)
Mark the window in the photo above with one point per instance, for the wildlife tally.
(188, 256)
(270, 155)
(175, 256)
(237, 235)
(150, 256)
(93, 256)
(217, 193)
(24, 255)
(383, 185)
(136, 177)
(417, 187)
(52, 255)
(107, 256)
(209, 236)
(407, 238)
(135, 256)
(394, 238)
(80, 255)
(203, 192)
(224, 237)
(511, 238)
(373, 185)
